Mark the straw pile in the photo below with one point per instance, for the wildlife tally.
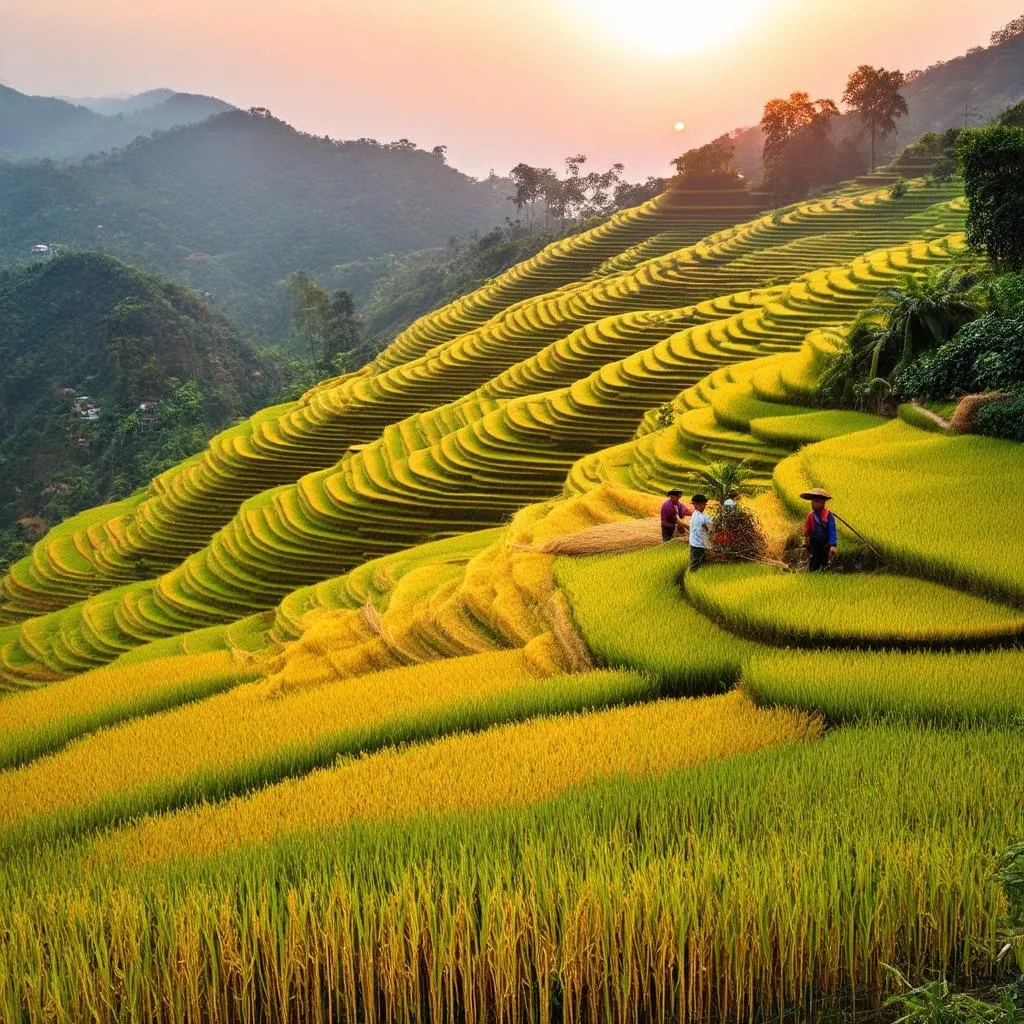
(962, 421)
(623, 535)
(736, 535)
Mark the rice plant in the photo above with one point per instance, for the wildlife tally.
(844, 609)
(768, 885)
(508, 766)
(245, 739)
(631, 613)
(937, 480)
(977, 689)
(35, 723)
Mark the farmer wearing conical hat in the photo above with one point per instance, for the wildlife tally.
(820, 536)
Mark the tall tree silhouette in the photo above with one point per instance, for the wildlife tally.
(798, 151)
(875, 94)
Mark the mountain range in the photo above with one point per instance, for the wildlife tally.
(43, 127)
(235, 203)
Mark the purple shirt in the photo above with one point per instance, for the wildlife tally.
(671, 512)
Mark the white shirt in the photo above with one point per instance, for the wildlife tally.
(700, 523)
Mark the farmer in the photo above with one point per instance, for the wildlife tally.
(700, 526)
(820, 536)
(672, 511)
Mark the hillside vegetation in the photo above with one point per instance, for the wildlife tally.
(233, 205)
(45, 128)
(369, 738)
(84, 341)
(968, 90)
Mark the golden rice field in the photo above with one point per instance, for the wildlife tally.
(416, 719)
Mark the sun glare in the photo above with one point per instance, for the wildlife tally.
(673, 26)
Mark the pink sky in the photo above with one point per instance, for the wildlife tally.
(497, 81)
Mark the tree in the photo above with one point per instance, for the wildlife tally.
(798, 150)
(992, 163)
(599, 189)
(529, 184)
(1012, 117)
(875, 94)
(709, 166)
(575, 196)
(1009, 31)
(725, 479)
(440, 153)
(310, 303)
(921, 314)
(342, 330)
(630, 194)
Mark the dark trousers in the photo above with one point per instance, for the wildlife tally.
(819, 556)
(668, 532)
(698, 556)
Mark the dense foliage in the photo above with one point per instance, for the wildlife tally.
(798, 148)
(235, 204)
(992, 163)
(84, 340)
(987, 355)
(879, 353)
(575, 196)
(708, 167)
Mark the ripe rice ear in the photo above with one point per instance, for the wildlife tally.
(573, 651)
(775, 523)
(372, 618)
(625, 535)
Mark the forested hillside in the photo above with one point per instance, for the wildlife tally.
(963, 92)
(109, 376)
(233, 205)
(41, 127)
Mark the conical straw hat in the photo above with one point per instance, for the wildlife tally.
(816, 492)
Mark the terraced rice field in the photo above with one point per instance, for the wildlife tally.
(352, 744)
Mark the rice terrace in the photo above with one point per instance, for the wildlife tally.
(490, 681)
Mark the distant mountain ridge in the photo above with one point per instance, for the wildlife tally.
(232, 205)
(43, 127)
(971, 89)
(114, 105)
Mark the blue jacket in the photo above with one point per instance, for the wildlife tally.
(821, 531)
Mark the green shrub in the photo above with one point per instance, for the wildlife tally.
(992, 163)
(987, 355)
(1002, 419)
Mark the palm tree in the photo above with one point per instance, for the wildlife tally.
(922, 313)
(725, 478)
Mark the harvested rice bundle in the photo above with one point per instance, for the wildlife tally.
(736, 535)
(625, 535)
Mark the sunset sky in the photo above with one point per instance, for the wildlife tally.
(497, 81)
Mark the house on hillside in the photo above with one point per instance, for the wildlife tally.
(148, 410)
(86, 408)
(40, 249)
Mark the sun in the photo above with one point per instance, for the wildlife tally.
(672, 26)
